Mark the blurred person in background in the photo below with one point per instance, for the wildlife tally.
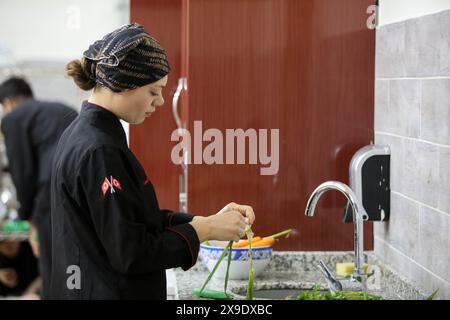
(31, 130)
(18, 270)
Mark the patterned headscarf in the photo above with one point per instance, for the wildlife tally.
(127, 58)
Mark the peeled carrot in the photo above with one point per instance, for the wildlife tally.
(245, 242)
(269, 241)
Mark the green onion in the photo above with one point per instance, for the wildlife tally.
(212, 294)
(199, 292)
(282, 233)
(315, 294)
(433, 295)
(251, 273)
(228, 268)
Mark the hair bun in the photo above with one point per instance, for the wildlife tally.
(81, 72)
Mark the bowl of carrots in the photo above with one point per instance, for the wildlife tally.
(210, 252)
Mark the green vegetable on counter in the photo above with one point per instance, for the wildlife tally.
(212, 294)
(433, 295)
(315, 294)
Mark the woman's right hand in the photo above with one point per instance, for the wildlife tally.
(226, 226)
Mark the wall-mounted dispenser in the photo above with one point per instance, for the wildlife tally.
(370, 180)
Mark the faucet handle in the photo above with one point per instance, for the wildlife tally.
(333, 284)
(325, 269)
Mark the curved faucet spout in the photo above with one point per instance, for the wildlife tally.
(345, 190)
(359, 215)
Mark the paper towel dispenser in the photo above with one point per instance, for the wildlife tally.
(370, 181)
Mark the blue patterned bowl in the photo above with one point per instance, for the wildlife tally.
(240, 262)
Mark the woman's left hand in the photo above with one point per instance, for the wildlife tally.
(246, 211)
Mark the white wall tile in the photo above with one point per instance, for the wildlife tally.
(435, 111)
(435, 242)
(444, 181)
(404, 108)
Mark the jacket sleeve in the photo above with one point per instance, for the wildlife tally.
(21, 164)
(115, 200)
(171, 218)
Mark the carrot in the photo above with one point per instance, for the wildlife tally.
(245, 242)
(269, 241)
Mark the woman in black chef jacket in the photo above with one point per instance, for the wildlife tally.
(110, 238)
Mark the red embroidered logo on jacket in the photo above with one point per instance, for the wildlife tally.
(110, 185)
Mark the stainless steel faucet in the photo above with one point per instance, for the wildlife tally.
(359, 216)
(333, 284)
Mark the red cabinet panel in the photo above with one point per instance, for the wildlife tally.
(305, 67)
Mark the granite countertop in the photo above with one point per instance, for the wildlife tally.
(12, 237)
(296, 270)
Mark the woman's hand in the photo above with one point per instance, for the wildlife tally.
(228, 224)
(245, 210)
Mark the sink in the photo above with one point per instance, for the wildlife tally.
(275, 291)
(291, 291)
(289, 273)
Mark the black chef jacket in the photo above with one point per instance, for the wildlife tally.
(106, 220)
(32, 131)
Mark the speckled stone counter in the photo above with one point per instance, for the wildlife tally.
(296, 270)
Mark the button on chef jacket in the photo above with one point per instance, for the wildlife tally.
(110, 238)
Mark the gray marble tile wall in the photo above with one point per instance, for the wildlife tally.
(412, 115)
